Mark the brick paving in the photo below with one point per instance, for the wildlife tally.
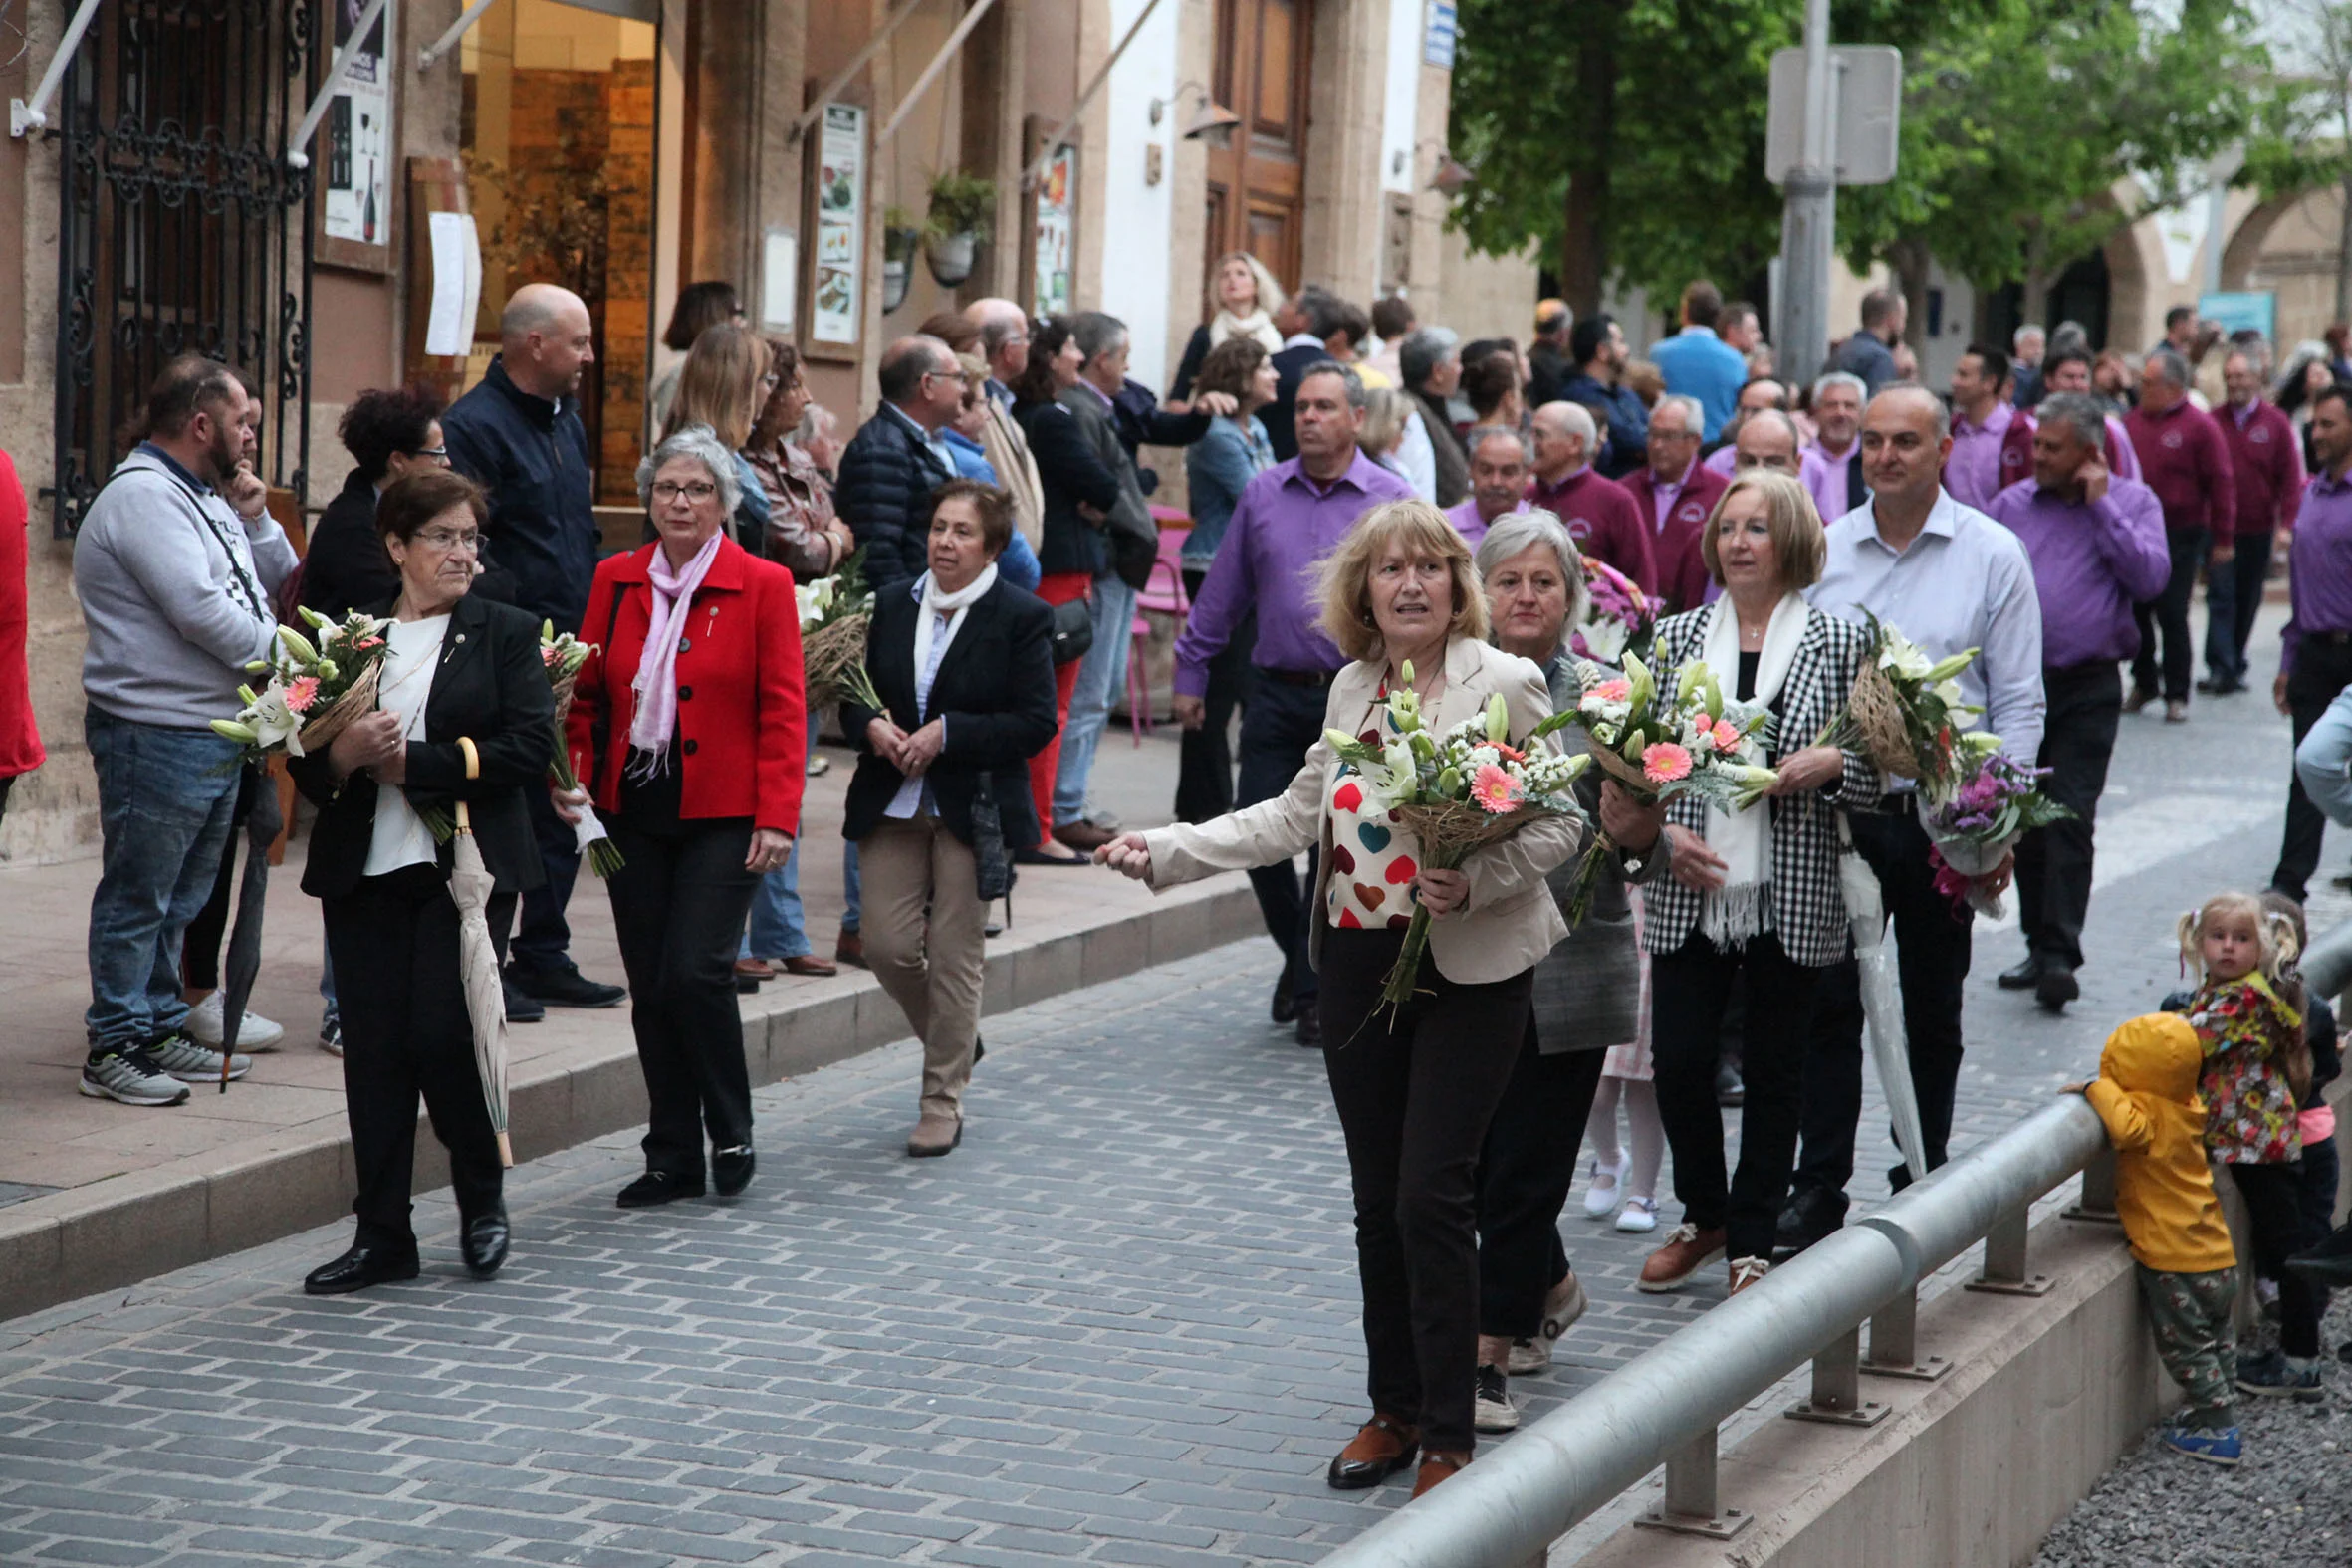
(1117, 1327)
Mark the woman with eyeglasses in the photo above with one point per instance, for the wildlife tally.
(463, 716)
(689, 729)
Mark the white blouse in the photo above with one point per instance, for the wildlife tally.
(401, 838)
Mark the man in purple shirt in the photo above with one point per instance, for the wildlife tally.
(2185, 461)
(1832, 463)
(1288, 519)
(2315, 651)
(1498, 481)
(2266, 467)
(1980, 419)
(2097, 547)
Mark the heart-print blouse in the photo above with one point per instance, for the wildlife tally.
(1374, 858)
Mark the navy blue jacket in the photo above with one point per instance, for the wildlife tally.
(532, 456)
(1628, 435)
(884, 492)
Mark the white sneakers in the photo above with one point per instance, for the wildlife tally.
(1600, 1194)
(254, 1032)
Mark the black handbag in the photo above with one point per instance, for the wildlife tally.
(1073, 630)
(993, 865)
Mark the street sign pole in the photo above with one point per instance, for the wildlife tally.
(1809, 223)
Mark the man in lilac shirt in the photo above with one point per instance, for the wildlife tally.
(1832, 463)
(2315, 651)
(1498, 481)
(1980, 419)
(2097, 547)
(1288, 519)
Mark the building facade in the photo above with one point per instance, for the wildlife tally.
(627, 148)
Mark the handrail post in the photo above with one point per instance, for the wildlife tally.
(1894, 1342)
(2097, 1203)
(2005, 1272)
(1691, 1507)
(1837, 1387)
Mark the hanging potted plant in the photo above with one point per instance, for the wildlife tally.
(900, 237)
(960, 206)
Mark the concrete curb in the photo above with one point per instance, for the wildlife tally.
(118, 1232)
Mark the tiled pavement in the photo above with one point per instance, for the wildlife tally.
(1117, 1327)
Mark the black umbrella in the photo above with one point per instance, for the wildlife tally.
(262, 824)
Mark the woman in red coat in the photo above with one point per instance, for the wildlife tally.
(20, 738)
(689, 729)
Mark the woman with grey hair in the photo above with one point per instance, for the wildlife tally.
(1431, 358)
(688, 731)
(1587, 998)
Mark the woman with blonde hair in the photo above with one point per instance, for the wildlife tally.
(723, 385)
(1415, 1085)
(1383, 430)
(1242, 298)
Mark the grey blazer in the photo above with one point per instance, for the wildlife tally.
(1512, 920)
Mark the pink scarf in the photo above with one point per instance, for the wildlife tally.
(656, 685)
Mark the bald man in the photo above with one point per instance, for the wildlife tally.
(519, 434)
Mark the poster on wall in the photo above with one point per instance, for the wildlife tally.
(1053, 235)
(356, 179)
(836, 296)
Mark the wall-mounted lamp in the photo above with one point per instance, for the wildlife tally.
(1210, 122)
(1451, 177)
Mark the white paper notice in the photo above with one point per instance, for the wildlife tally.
(473, 276)
(779, 279)
(448, 328)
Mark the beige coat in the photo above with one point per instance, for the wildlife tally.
(1006, 451)
(1512, 920)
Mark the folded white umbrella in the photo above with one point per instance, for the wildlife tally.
(470, 884)
(1882, 998)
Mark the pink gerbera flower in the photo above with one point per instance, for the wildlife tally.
(1494, 791)
(1726, 735)
(1612, 691)
(301, 694)
(1665, 761)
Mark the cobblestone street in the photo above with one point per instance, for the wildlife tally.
(1117, 1327)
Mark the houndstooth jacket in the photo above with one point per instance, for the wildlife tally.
(1808, 911)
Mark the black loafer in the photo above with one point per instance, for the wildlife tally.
(1811, 1213)
(564, 988)
(1310, 1028)
(731, 1169)
(521, 1008)
(362, 1266)
(656, 1188)
(1285, 1007)
(2021, 976)
(2055, 985)
(483, 1243)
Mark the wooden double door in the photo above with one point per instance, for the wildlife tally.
(1256, 186)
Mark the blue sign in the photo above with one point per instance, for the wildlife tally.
(2236, 312)
(1438, 34)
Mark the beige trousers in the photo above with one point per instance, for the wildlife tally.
(922, 923)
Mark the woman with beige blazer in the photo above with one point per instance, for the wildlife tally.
(1414, 1087)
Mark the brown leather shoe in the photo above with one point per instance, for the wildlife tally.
(1437, 1467)
(810, 964)
(753, 969)
(934, 1134)
(1746, 1271)
(1382, 1447)
(1083, 836)
(1687, 1251)
(850, 948)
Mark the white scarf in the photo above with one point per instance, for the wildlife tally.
(935, 605)
(1256, 325)
(1743, 907)
(656, 685)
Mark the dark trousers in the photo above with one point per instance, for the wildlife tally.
(2324, 667)
(1524, 1177)
(1932, 947)
(1279, 727)
(2232, 596)
(2055, 862)
(678, 909)
(545, 941)
(1688, 989)
(2274, 1213)
(1203, 756)
(200, 943)
(1415, 1090)
(2168, 612)
(405, 1034)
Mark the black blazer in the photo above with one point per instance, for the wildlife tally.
(996, 691)
(490, 686)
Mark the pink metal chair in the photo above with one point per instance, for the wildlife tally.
(1164, 592)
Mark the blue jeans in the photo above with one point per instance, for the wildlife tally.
(778, 928)
(1101, 675)
(164, 803)
(852, 888)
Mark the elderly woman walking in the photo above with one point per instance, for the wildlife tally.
(1415, 1085)
(688, 729)
(1754, 893)
(941, 800)
(1587, 998)
(464, 717)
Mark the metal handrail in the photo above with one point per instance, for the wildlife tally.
(1665, 1406)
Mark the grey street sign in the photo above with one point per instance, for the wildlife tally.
(1866, 110)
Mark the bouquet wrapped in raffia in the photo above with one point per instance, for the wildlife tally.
(836, 613)
(313, 692)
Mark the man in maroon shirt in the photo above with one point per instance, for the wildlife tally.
(2185, 461)
(1673, 494)
(2266, 465)
(1599, 515)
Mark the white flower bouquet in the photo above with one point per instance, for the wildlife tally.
(314, 691)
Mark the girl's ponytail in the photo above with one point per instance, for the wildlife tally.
(2191, 956)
